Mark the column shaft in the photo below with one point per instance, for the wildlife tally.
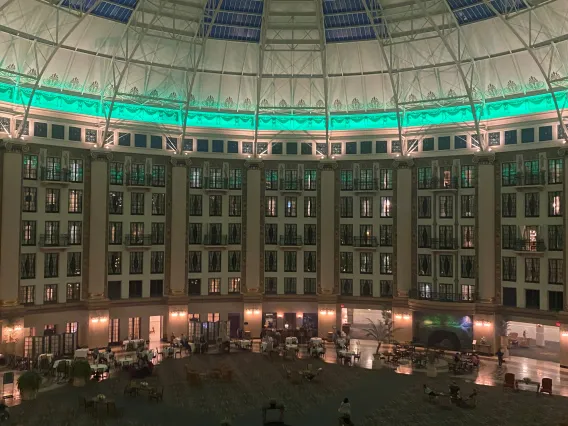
(98, 225)
(10, 226)
(254, 254)
(403, 232)
(328, 226)
(178, 231)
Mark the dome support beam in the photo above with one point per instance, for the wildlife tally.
(531, 52)
(190, 83)
(118, 82)
(19, 131)
(391, 73)
(323, 54)
(259, 74)
(482, 144)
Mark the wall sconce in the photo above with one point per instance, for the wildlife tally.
(327, 312)
(280, 315)
(178, 313)
(406, 317)
(483, 323)
(300, 316)
(248, 311)
(96, 320)
(398, 316)
(565, 333)
(257, 311)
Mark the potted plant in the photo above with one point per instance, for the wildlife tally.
(28, 385)
(81, 372)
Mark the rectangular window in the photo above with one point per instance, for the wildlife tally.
(214, 264)
(509, 204)
(27, 295)
(156, 288)
(385, 235)
(75, 170)
(346, 207)
(215, 205)
(215, 178)
(290, 207)
(468, 266)
(346, 262)
(159, 175)
(270, 285)
(50, 293)
(366, 288)
(424, 207)
(136, 262)
(446, 206)
(310, 286)
(424, 236)
(532, 299)
(555, 301)
(310, 234)
(194, 287)
(508, 174)
(346, 234)
(310, 180)
(446, 265)
(195, 177)
(235, 179)
(115, 202)
(346, 179)
(29, 168)
(509, 237)
(555, 171)
(51, 265)
(29, 231)
(52, 171)
(510, 296)
(532, 270)
(271, 180)
(115, 233)
(114, 263)
(138, 175)
(467, 176)
(158, 204)
(134, 289)
(234, 257)
(195, 205)
(509, 269)
(74, 264)
(116, 171)
(73, 292)
(158, 233)
(386, 263)
(214, 286)
(114, 330)
(27, 266)
(425, 265)
(424, 177)
(385, 180)
(467, 236)
(213, 317)
(289, 285)
(386, 206)
(271, 206)
(195, 233)
(532, 204)
(555, 237)
(555, 204)
(366, 207)
(234, 205)
(29, 199)
(52, 200)
(234, 285)
(290, 261)
(75, 201)
(157, 262)
(310, 204)
(310, 261)
(555, 270)
(234, 233)
(134, 328)
(137, 203)
(467, 206)
(346, 287)
(114, 290)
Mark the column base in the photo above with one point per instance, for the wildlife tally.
(98, 328)
(252, 314)
(329, 314)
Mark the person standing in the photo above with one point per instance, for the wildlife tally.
(345, 413)
(500, 355)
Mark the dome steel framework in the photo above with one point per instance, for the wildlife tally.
(264, 59)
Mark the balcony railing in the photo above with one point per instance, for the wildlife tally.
(53, 240)
(215, 240)
(215, 184)
(291, 184)
(530, 179)
(346, 240)
(444, 244)
(288, 240)
(386, 241)
(365, 241)
(530, 246)
(451, 183)
(441, 296)
(49, 174)
(138, 179)
(138, 239)
(370, 185)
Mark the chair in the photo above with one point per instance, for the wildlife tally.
(131, 390)
(156, 394)
(87, 405)
(510, 381)
(546, 386)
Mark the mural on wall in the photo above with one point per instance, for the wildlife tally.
(448, 331)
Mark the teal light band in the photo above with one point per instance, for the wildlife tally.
(62, 102)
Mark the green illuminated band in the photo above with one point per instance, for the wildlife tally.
(95, 107)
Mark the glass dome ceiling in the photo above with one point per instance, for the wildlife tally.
(286, 58)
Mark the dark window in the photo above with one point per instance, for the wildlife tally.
(443, 143)
(555, 300)
(194, 287)
(380, 147)
(510, 137)
(74, 134)
(291, 148)
(135, 289)
(40, 129)
(277, 148)
(366, 147)
(460, 141)
(351, 148)
(155, 142)
(114, 290)
(124, 139)
(140, 141)
(156, 288)
(527, 135)
(545, 133)
(532, 299)
(428, 144)
(57, 131)
(510, 296)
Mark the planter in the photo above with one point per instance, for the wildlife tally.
(79, 382)
(431, 371)
(28, 395)
(378, 363)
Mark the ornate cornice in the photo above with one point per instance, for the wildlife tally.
(327, 165)
(180, 161)
(101, 155)
(563, 151)
(403, 163)
(484, 158)
(15, 146)
(254, 164)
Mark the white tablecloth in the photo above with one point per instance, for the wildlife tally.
(126, 361)
(48, 356)
(81, 353)
(136, 342)
(59, 361)
(244, 344)
(346, 354)
(95, 367)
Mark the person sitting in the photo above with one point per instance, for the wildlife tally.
(345, 413)
(430, 393)
(455, 395)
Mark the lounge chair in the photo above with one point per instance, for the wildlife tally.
(510, 382)
(546, 386)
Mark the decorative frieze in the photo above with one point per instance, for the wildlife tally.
(180, 161)
(402, 163)
(101, 155)
(15, 147)
(484, 158)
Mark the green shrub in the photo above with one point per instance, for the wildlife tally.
(29, 381)
(81, 369)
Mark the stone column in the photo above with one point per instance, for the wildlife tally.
(98, 327)
(177, 262)
(487, 244)
(98, 225)
(11, 222)
(403, 225)
(252, 278)
(329, 315)
(564, 153)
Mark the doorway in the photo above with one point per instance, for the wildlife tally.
(235, 324)
(155, 328)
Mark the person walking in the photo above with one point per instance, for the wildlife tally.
(345, 413)
(500, 356)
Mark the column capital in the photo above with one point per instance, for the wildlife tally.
(254, 164)
(484, 158)
(101, 155)
(180, 161)
(563, 151)
(403, 163)
(15, 146)
(327, 165)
